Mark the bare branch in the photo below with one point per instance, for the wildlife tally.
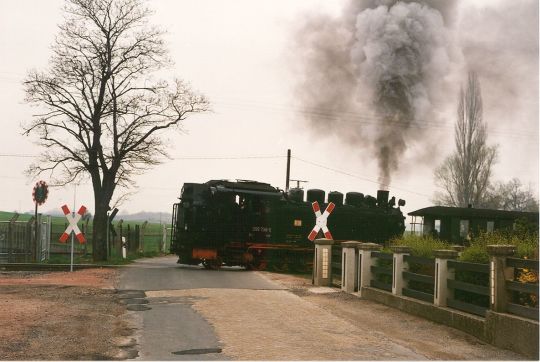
(101, 115)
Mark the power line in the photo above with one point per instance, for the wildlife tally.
(356, 176)
(15, 155)
(365, 117)
(227, 158)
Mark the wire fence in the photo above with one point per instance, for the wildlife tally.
(18, 241)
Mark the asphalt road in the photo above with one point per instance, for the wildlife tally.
(168, 328)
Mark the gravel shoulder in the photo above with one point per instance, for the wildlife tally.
(431, 340)
(61, 316)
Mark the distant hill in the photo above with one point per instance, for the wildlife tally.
(154, 217)
(163, 217)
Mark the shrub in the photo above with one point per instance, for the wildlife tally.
(526, 245)
(421, 246)
(475, 254)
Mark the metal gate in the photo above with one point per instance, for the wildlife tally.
(17, 240)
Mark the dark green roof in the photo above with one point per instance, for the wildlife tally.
(445, 211)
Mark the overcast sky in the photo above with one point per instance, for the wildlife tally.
(242, 55)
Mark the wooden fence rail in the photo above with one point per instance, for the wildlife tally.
(468, 287)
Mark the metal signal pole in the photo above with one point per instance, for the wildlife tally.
(73, 232)
(288, 170)
(36, 234)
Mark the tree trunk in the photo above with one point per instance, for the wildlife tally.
(99, 231)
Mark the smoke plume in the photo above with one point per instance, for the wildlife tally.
(372, 75)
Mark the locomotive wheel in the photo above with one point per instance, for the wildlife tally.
(281, 266)
(213, 264)
(257, 264)
(301, 267)
(301, 264)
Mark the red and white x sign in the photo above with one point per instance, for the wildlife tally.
(321, 220)
(73, 220)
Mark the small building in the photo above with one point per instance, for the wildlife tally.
(456, 224)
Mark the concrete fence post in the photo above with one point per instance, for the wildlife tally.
(322, 265)
(365, 261)
(398, 266)
(458, 248)
(349, 266)
(442, 273)
(498, 274)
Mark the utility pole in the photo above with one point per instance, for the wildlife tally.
(298, 183)
(288, 170)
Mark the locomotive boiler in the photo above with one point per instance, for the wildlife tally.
(256, 225)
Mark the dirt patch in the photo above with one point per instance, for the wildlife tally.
(60, 316)
(97, 278)
(431, 340)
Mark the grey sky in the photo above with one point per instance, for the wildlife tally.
(241, 55)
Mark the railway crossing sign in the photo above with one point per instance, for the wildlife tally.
(73, 220)
(40, 192)
(321, 220)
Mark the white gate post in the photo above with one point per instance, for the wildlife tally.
(124, 250)
(322, 266)
(164, 238)
(349, 270)
(499, 274)
(365, 261)
(442, 273)
(398, 266)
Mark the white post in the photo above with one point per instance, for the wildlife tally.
(71, 265)
(499, 274)
(398, 266)
(441, 292)
(124, 251)
(365, 261)
(108, 232)
(322, 266)
(164, 237)
(49, 231)
(348, 266)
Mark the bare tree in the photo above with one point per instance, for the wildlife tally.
(465, 175)
(512, 196)
(102, 113)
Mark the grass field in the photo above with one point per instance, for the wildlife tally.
(149, 244)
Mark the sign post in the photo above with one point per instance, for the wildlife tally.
(73, 219)
(39, 195)
(110, 226)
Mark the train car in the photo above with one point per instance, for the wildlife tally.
(254, 224)
(459, 224)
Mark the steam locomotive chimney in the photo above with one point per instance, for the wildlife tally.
(382, 198)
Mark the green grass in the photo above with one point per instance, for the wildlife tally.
(150, 241)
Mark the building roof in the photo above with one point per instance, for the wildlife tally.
(445, 211)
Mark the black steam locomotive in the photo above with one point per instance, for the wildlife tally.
(253, 224)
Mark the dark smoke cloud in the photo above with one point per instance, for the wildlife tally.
(384, 74)
(373, 74)
(501, 45)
